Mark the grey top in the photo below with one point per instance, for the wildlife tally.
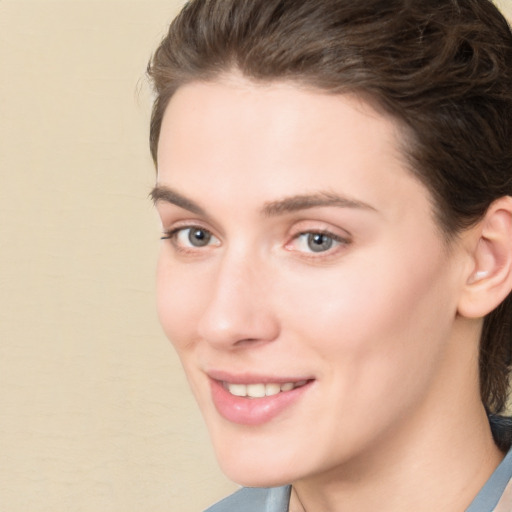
(495, 495)
(255, 499)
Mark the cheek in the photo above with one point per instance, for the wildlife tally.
(179, 293)
(373, 317)
(377, 334)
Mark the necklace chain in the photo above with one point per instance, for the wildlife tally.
(299, 500)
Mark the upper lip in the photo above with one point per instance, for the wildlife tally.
(253, 378)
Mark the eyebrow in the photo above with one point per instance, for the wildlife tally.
(162, 193)
(306, 201)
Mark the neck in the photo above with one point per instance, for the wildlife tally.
(438, 458)
(425, 476)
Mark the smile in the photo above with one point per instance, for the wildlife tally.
(255, 403)
(261, 390)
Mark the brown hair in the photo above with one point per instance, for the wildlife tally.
(442, 68)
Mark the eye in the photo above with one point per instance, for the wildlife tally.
(316, 242)
(191, 237)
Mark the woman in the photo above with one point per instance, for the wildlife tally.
(334, 182)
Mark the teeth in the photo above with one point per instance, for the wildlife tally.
(272, 389)
(261, 390)
(256, 390)
(238, 389)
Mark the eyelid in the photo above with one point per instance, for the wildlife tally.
(170, 226)
(172, 215)
(321, 227)
(330, 234)
(169, 233)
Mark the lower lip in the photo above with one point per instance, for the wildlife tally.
(253, 411)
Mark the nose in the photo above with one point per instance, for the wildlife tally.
(239, 307)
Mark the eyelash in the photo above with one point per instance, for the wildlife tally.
(172, 236)
(335, 240)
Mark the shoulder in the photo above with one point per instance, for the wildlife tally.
(496, 494)
(255, 499)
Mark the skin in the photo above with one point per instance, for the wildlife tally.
(372, 321)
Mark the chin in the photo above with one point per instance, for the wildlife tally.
(272, 463)
(248, 475)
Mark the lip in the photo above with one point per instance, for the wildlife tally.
(253, 378)
(253, 411)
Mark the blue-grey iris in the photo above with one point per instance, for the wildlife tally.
(199, 237)
(318, 242)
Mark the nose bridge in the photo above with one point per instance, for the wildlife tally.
(239, 307)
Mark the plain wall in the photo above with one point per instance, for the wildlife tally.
(95, 414)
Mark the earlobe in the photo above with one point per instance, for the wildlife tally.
(490, 280)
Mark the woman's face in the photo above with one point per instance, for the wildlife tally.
(303, 280)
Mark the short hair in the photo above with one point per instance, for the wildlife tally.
(441, 68)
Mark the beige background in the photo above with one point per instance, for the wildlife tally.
(95, 414)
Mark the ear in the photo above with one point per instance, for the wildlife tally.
(490, 279)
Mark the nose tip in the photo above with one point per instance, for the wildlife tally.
(238, 311)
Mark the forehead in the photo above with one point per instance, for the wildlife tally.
(274, 111)
(232, 137)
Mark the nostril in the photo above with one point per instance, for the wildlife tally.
(250, 341)
(238, 326)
